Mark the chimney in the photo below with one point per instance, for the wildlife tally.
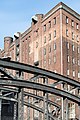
(7, 42)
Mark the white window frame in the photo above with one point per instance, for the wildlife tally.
(68, 59)
(49, 36)
(54, 46)
(44, 39)
(67, 71)
(54, 59)
(54, 33)
(77, 38)
(73, 60)
(68, 45)
(49, 61)
(73, 35)
(78, 74)
(73, 73)
(49, 24)
(55, 21)
(44, 27)
(72, 23)
(77, 26)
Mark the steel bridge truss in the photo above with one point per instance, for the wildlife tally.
(19, 91)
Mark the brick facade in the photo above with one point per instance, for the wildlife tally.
(52, 42)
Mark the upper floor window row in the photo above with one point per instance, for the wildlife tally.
(72, 23)
(74, 36)
(49, 24)
(50, 36)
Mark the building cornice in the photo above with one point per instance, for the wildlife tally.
(26, 32)
(61, 6)
(69, 10)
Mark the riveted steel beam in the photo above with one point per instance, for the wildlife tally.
(38, 86)
(9, 89)
(39, 71)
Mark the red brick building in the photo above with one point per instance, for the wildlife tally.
(52, 42)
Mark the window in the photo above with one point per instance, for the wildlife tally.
(36, 44)
(55, 21)
(49, 49)
(49, 24)
(68, 58)
(77, 26)
(44, 51)
(45, 39)
(29, 49)
(72, 35)
(54, 46)
(78, 74)
(67, 71)
(54, 59)
(44, 61)
(73, 60)
(67, 32)
(72, 47)
(67, 45)
(49, 61)
(66, 20)
(77, 38)
(78, 49)
(44, 28)
(17, 49)
(49, 36)
(54, 33)
(72, 23)
(73, 73)
(78, 62)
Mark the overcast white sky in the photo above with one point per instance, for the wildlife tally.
(15, 15)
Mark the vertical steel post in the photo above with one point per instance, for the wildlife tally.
(66, 107)
(79, 110)
(28, 109)
(79, 104)
(15, 108)
(45, 101)
(19, 105)
(20, 101)
(22, 105)
(62, 87)
(62, 108)
(34, 99)
(67, 111)
(0, 104)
